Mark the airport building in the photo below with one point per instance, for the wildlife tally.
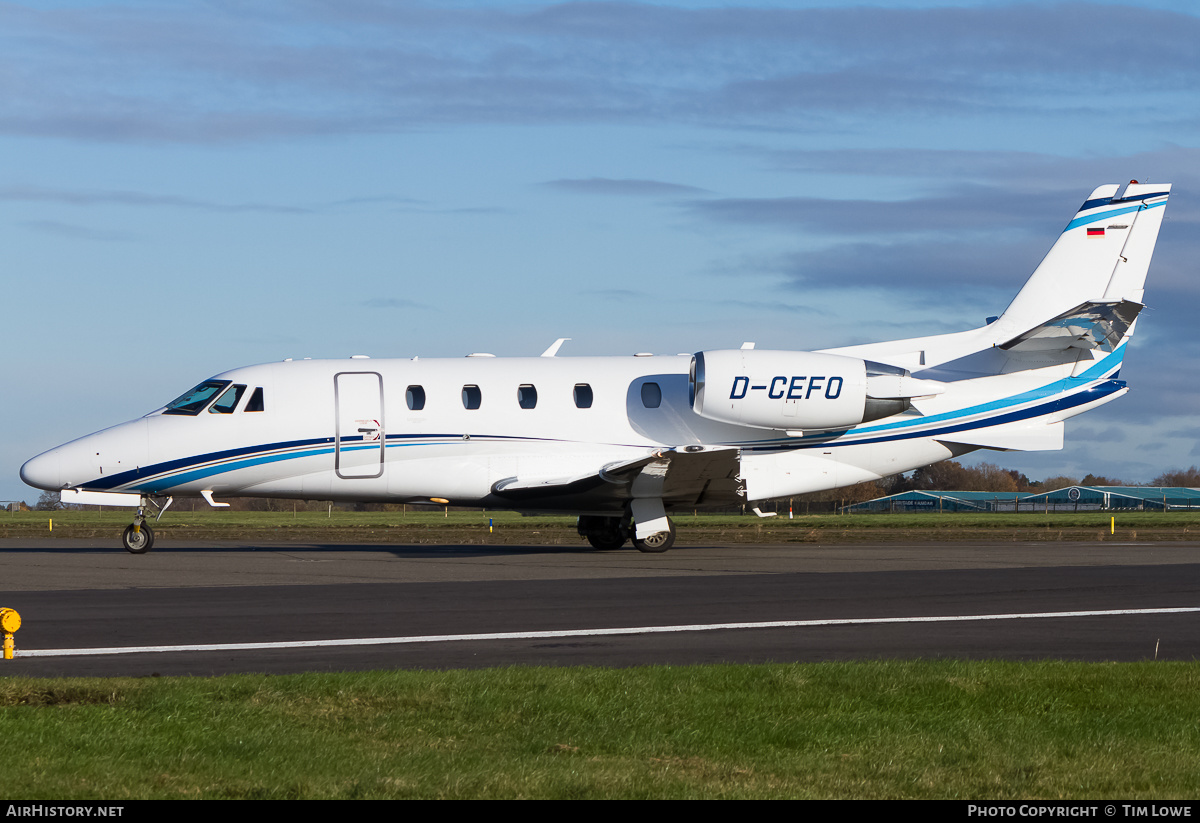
(1095, 498)
(940, 501)
(1071, 498)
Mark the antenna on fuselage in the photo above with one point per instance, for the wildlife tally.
(554, 347)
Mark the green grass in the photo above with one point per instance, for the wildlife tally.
(424, 526)
(983, 730)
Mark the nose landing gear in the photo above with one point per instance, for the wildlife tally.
(138, 537)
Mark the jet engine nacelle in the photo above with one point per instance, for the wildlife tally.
(792, 390)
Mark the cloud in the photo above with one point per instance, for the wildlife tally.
(224, 72)
(73, 231)
(396, 303)
(1028, 171)
(35, 194)
(619, 295)
(1110, 434)
(137, 199)
(963, 208)
(629, 188)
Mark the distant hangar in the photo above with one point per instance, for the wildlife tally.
(1071, 498)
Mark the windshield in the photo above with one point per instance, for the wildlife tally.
(228, 401)
(194, 401)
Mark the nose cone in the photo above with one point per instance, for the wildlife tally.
(91, 462)
(44, 471)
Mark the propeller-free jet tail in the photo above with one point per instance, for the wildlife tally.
(624, 441)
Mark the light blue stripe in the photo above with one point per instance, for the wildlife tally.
(1105, 215)
(1068, 385)
(197, 474)
(169, 480)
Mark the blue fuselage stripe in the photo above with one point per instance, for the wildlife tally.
(1062, 394)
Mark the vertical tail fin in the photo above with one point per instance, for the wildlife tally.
(1102, 256)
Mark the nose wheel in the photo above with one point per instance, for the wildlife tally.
(138, 539)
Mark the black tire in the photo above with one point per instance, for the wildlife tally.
(140, 542)
(657, 543)
(606, 541)
(604, 532)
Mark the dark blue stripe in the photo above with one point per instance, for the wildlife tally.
(1141, 197)
(121, 479)
(1058, 403)
(1082, 398)
(184, 463)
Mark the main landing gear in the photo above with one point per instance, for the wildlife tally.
(607, 533)
(657, 542)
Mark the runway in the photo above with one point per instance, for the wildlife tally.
(560, 605)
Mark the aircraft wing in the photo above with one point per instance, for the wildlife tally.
(676, 475)
(1091, 325)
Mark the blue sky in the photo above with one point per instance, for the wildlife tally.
(189, 187)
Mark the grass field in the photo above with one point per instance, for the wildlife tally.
(918, 729)
(850, 730)
(472, 527)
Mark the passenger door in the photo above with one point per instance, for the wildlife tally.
(359, 438)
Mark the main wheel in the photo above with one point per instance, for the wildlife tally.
(657, 542)
(138, 541)
(603, 532)
(606, 541)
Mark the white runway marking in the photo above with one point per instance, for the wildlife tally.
(700, 627)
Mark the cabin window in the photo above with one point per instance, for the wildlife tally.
(651, 395)
(255, 403)
(526, 396)
(228, 401)
(415, 397)
(471, 397)
(194, 401)
(583, 395)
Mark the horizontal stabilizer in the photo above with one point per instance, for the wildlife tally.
(1092, 325)
(1023, 436)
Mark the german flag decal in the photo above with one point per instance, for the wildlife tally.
(1095, 233)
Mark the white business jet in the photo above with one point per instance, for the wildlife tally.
(624, 441)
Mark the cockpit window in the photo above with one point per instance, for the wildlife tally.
(194, 401)
(255, 403)
(229, 400)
